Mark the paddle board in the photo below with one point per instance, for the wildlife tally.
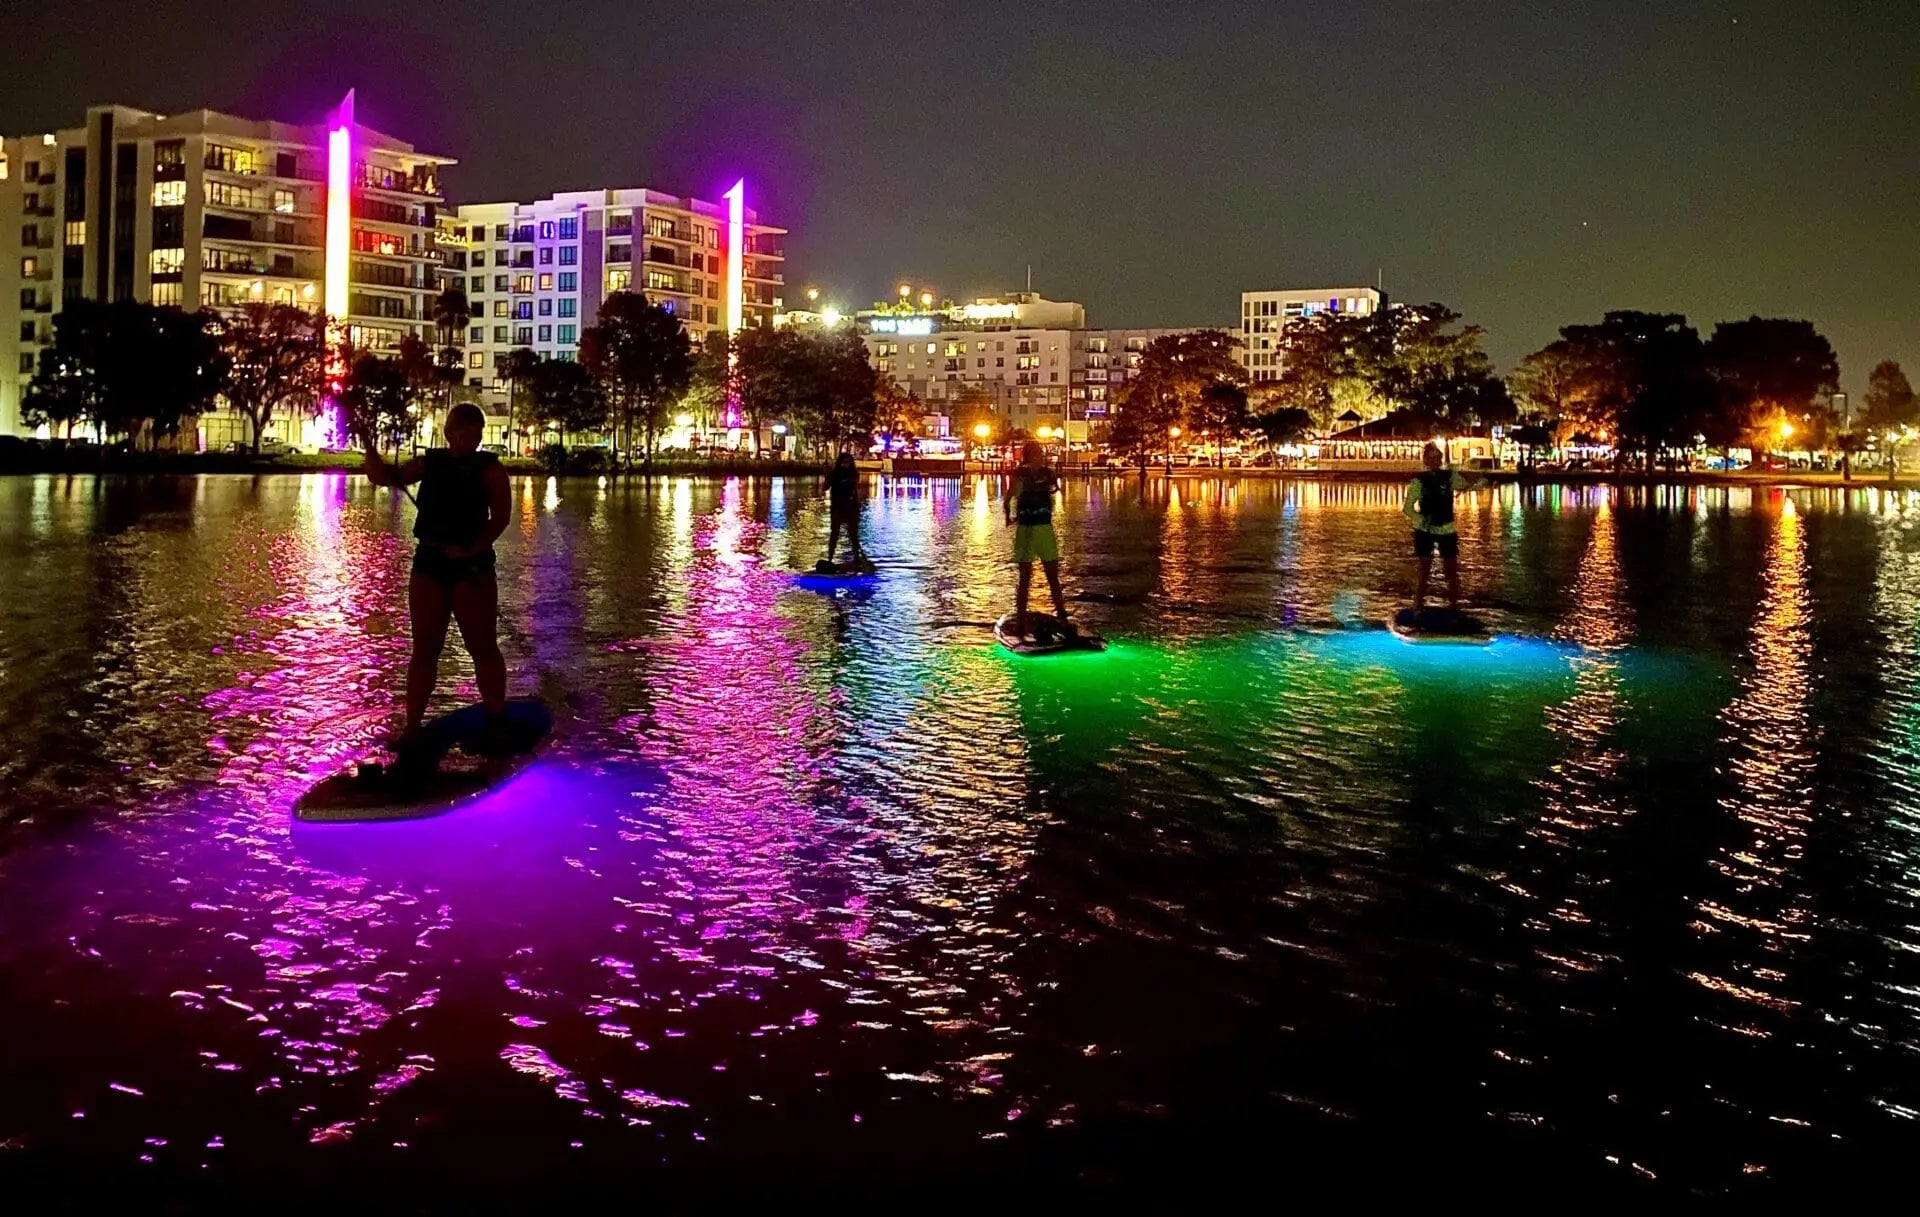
(1439, 625)
(450, 765)
(1046, 635)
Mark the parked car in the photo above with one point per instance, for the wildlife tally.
(269, 446)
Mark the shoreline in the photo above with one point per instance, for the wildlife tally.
(203, 464)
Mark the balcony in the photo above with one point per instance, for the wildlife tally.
(39, 209)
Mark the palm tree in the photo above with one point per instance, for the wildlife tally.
(451, 313)
(517, 368)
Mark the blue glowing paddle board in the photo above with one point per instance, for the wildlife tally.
(842, 576)
(449, 766)
(1046, 635)
(1439, 625)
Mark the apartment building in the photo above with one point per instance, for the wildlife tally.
(535, 274)
(1264, 315)
(1037, 358)
(213, 210)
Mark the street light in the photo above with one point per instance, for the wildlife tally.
(906, 290)
(830, 317)
(1173, 433)
(813, 294)
(926, 299)
(683, 420)
(1043, 432)
(1786, 430)
(982, 432)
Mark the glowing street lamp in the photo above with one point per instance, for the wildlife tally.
(1044, 432)
(830, 317)
(982, 432)
(1173, 433)
(1786, 430)
(906, 290)
(813, 294)
(683, 420)
(926, 299)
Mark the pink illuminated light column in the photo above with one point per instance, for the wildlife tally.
(339, 239)
(736, 290)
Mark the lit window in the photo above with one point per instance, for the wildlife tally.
(523, 311)
(76, 232)
(3, 166)
(476, 359)
(523, 283)
(283, 201)
(226, 194)
(569, 255)
(567, 333)
(546, 281)
(569, 281)
(546, 230)
(499, 308)
(930, 347)
(617, 280)
(169, 194)
(168, 261)
(166, 295)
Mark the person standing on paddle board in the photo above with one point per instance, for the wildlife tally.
(1029, 511)
(1429, 506)
(463, 505)
(843, 506)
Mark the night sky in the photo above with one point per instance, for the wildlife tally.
(1529, 164)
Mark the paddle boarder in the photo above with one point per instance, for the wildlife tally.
(462, 510)
(1028, 506)
(843, 507)
(1429, 505)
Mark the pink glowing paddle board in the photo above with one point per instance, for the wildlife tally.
(451, 766)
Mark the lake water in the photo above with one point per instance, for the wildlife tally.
(818, 888)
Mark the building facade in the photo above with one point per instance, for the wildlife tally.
(1045, 370)
(1264, 316)
(535, 274)
(212, 210)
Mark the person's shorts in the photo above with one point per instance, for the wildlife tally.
(843, 517)
(1035, 543)
(429, 562)
(1424, 543)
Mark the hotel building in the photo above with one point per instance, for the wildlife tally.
(1265, 314)
(535, 274)
(211, 210)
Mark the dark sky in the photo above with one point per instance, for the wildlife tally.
(1530, 164)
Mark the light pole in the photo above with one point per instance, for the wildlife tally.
(1173, 433)
(981, 434)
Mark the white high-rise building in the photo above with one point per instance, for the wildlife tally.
(211, 210)
(1265, 314)
(536, 273)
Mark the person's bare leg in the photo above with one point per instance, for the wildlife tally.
(833, 539)
(476, 606)
(1053, 585)
(1452, 562)
(1020, 599)
(1426, 573)
(427, 605)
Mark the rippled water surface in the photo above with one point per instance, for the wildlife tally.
(815, 887)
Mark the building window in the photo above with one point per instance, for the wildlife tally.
(500, 232)
(170, 194)
(546, 230)
(546, 333)
(619, 253)
(476, 285)
(499, 308)
(569, 255)
(569, 307)
(502, 257)
(523, 283)
(232, 160)
(477, 333)
(523, 311)
(567, 333)
(546, 281)
(523, 335)
(617, 280)
(283, 201)
(569, 280)
(502, 334)
(661, 281)
(476, 359)
(169, 261)
(546, 307)
(226, 194)
(76, 232)
(546, 255)
(502, 283)
(569, 228)
(26, 364)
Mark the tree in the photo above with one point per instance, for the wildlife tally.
(566, 398)
(1545, 382)
(272, 355)
(706, 396)
(973, 408)
(451, 314)
(1769, 371)
(1640, 378)
(767, 375)
(838, 403)
(421, 368)
(65, 390)
(1531, 436)
(1890, 402)
(1164, 391)
(1284, 425)
(640, 354)
(127, 367)
(377, 401)
(514, 368)
(1221, 414)
(896, 411)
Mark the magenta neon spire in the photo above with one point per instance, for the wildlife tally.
(339, 239)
